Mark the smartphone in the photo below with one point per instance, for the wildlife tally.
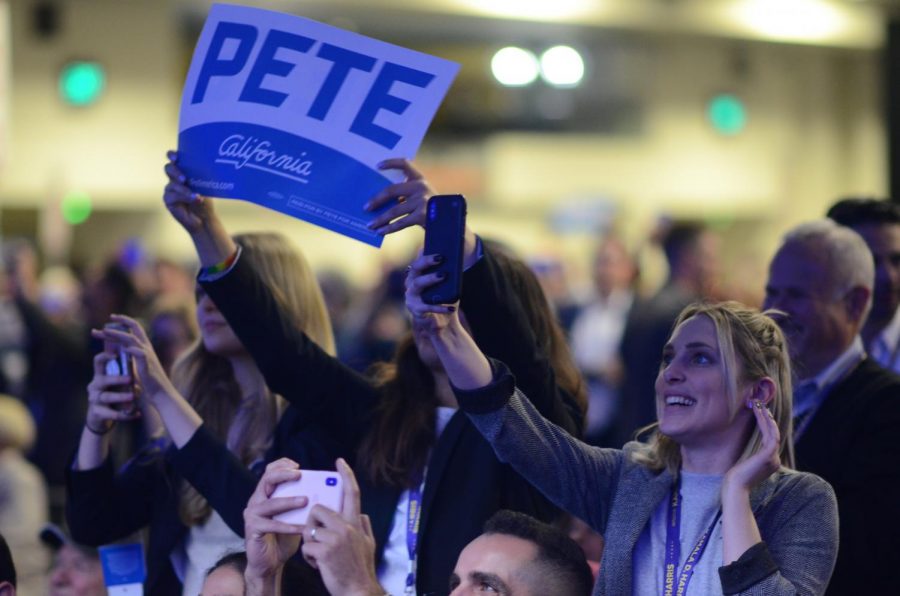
(321, 487)
(445, 225)
(119, 366)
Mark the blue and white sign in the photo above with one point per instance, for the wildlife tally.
(123, 569)
(295, 115)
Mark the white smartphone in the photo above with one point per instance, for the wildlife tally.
(321, 487)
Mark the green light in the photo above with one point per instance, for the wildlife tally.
(81, 83)
(76, 207)
(727, 114)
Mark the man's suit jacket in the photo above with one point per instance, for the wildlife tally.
(853, 442)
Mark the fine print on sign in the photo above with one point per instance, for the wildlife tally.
(295, 115)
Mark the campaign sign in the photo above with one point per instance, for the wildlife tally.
(295, 115)
(123, 569)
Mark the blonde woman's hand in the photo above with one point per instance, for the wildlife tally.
(192, 210)
(744, 475)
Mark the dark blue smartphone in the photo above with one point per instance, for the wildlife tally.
(445, 225)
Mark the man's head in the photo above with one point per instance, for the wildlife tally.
(821, 279)
(692, 255)
(878, 222)
(76, 569)
(614, 268)
(520, 556)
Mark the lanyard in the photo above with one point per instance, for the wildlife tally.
(673, 546)
(413, 515)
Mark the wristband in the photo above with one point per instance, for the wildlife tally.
(220, 267)
(98, 433)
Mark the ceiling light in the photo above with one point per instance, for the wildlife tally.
(562, 66)
(514, 67)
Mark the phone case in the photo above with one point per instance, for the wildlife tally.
(121, 365)
(445, 224)
(321, 487)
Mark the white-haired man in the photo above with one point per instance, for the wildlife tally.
(846, 407)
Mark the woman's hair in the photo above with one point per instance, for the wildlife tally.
(245, 423)
(752, 346)
(396, 448)
(544, 325)
(402, 432)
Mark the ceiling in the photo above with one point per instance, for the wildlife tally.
(837, 23)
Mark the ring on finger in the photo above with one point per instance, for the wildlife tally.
(312, 535)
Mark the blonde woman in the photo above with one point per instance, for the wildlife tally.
(191, 485)
(709, 505)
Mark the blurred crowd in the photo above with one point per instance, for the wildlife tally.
(615, 332)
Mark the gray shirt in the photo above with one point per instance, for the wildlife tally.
(700, 504)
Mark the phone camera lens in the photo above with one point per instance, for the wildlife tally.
(331, 481)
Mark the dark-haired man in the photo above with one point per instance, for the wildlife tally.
(878, 222)
(518, 555)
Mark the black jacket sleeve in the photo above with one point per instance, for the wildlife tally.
(327, 392)
(227, 484)
(103, 506)
(217, 475)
